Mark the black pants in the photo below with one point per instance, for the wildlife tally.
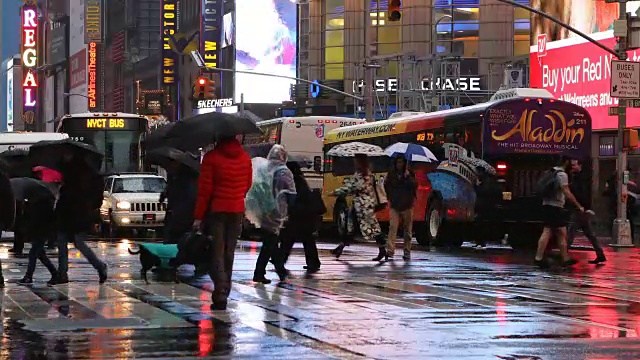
(290, 234)
(18, 241)
(225, 229)
(580, 221)
(37, 252)
(269, 250)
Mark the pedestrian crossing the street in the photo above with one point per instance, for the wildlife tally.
(353, 308)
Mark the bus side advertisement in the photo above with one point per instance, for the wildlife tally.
(537, 127)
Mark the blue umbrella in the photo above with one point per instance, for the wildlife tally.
(413, 152)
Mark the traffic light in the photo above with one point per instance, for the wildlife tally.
(204, 89)
(630, 138)
(394, 14)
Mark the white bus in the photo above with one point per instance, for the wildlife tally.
(302, 137)
(24, 140)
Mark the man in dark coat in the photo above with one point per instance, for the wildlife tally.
(7, 209)
(76, 211)
(181, 193)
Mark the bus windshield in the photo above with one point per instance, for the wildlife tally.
(118, 137)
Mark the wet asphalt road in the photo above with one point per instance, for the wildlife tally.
(441, 305)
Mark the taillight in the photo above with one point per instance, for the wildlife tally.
(501, 166)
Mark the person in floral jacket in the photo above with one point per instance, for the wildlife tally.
(361, 186)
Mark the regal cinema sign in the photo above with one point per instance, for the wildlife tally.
(29, 56)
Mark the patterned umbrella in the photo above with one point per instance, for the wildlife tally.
(413, 152)
(355, 148)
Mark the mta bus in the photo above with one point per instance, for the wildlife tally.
(301, 136)
(520, 137)
(118, 136)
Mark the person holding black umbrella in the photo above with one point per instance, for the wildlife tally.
(7, 209)
(79, 200)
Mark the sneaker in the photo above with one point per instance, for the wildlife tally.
(261, 279)
(27, 280)
(598, 260)
(221, 305)
(59, 280)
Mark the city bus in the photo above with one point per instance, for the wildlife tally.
(24, 140)
(117, 135)
(520, 137)
(301, 136)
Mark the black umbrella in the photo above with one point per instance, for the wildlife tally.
(157, 137)
(201, 130)
(25, 188)
(164, 156)
(7, 203)
(16, 162)
(301, 160)
(51, 153)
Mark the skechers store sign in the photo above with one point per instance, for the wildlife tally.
(208, 104)
(391, 85)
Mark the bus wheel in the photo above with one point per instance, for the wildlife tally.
(429, 231)
(340, 219)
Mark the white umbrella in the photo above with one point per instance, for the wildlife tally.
(353, 148)
(413, 152)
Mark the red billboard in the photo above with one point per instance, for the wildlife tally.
(579, 72)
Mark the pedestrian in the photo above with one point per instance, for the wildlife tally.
(580, 184)
(554, 189)
(225, 178)
(272, 192)
(401, 188)
(53, 179)
(362, 187)
(77, 210)
(7, 206)
(180, 194)
(40, 211)
(488, 194)
(302, 221)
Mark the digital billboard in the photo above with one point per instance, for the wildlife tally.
(587, 16)
(270, 49)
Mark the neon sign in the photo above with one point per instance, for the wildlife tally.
(93, 76)
(29, 59)
(168, 26)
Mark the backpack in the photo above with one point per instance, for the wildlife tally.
(548, 184)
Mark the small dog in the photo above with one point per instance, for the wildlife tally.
(156, 255)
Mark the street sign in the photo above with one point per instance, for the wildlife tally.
(625, 79)
(633, 103)
(613, 111)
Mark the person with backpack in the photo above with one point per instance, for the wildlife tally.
(554, 189)
(225, 178)
(267, 202)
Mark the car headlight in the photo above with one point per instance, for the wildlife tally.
(123, 205)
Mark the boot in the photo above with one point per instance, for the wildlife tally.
(338, 251)
(382, 253)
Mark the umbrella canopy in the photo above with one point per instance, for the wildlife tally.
(16, 162)
(201, 130)
(354, 148)
(30, 189)
(164, 156)
(412, 152)
(476, 163)
(301, 160)
(51, 153)
(157, 137)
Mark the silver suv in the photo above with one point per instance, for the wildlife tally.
(131, 201)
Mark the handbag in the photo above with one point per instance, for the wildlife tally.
(381, 196)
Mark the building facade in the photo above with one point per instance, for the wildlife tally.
(473, 44)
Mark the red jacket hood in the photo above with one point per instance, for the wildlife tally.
(229, 149)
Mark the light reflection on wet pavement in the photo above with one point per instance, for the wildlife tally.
(441, 305)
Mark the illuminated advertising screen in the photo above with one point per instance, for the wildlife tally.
(228, 32)
(168, 27)
(271, 50)
(573, 69)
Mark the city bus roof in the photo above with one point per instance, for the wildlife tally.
(29, 137)
(312, 119)
(103, 114)
(404, 124)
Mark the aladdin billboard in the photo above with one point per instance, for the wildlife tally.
(570, 67)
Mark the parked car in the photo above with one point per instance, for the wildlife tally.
(132, 201)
